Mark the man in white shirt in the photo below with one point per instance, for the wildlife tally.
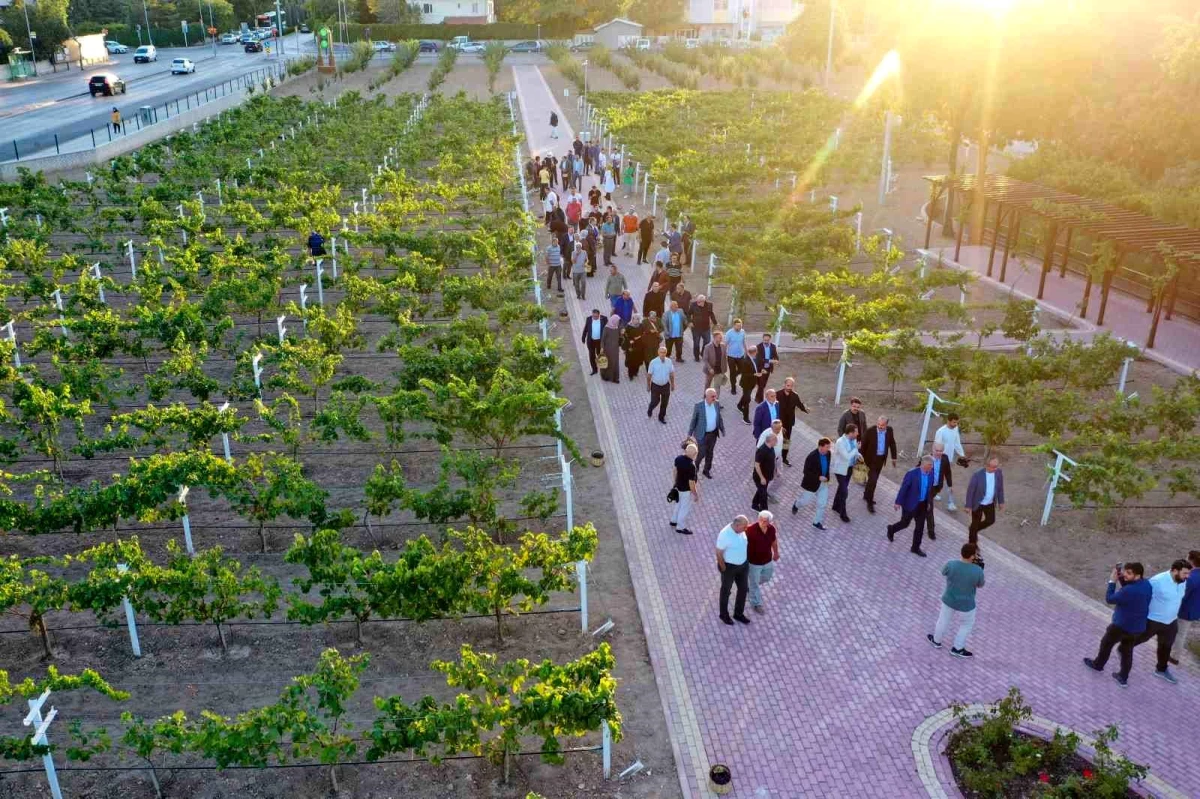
(731, 563)
(1162, 619)
(660, 381)
(948, 436)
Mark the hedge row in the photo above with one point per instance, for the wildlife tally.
(499, 30)
(163, 37)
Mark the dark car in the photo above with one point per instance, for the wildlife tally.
(304, 29)
(530, 46)
(427, 47)
(106, 84)
(582, 46)
(254, 47)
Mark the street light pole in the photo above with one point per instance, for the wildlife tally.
(29, 33)
(279, 30)
(829, 50)
(146, 13)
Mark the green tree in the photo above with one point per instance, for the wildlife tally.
(18, 747)
(270, 486)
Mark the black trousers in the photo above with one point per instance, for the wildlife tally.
(735, 369)
(593, 346)
(744, 403)
(929, 509)
(1165, 633)
(643, 251)
(659, 393)
(707, 448)
(1124, 641)
(917, 515)
(700, 340)
(762, 386)
(760, 493)
(675, 344)
(552, 273)
(787, 440)
(872, 481)
(983, 517)
(734, 575)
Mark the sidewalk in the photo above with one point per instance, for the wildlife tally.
(834, 691)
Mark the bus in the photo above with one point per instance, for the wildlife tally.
(267, 22)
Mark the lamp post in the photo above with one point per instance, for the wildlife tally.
(29, 33)
(146, 14)
(829, 49)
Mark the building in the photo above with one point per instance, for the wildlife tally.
(458, 12)
(739, 19)
(616, 33)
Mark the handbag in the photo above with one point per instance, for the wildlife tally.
(602, 361)
(963, 462)
(859, 475)
(673, 494)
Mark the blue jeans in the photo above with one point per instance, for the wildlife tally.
(759, 575)
(822, 498)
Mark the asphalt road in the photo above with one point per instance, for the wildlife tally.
(32, 115)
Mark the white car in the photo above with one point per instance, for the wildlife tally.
(145, 54)
(182, 66)
(229, 38)
(471, 47)
(115, 48)
(643, 44)
(383, 47)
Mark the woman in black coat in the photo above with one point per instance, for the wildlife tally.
(651, 337)
(632, 342)
(610, 343)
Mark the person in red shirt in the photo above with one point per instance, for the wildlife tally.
(762, 552)
(574, 208)
(629, 231)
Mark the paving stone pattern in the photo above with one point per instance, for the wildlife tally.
(821, 695)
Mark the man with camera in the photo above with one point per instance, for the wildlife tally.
(1132, 602)
(963, 578)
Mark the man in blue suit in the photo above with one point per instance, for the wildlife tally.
(913, 503)
(765, 413)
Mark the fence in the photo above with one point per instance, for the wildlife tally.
(133, 120)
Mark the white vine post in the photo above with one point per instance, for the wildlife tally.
(281, 327)
(220, 200)
(99, 281)
(320, 285)
(58, 304)
(304, 306)
(4, 217)
(606, 747)
(654, 210)
(257, 371)
(12, 336)
(1059, 460)
(225, 436)
(333, 251)
(134, 643)
(712, 265)
(132, 258)
(39, 738)
(858, 232)
(1125, 367)
(187, 522)
(929, 411)
(645, 186)
(843, 364)
(833, 203)
(161, 260)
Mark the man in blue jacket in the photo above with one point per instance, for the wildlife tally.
(1132, 601)
(766, 412)
(913, 503)
(1189, 609)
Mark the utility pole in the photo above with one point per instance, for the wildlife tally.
(29, 33)
(146, 14)
(829, 50)
(279, 30)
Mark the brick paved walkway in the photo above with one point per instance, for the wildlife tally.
(822, 694)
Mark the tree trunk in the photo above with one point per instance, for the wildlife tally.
(262, 536)
(39, 623)
(499, 628)
(154, 780)
(333, 777)
(978, 206)
(357, 639)
(221, 635)
(507, 760)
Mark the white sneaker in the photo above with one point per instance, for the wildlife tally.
(951, 506)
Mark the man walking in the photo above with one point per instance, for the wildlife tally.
(615, 284)
(674, 323)
(735, 340)
(789, 403)
(701, 319)
(593, 331)
(768, 357)
(963, 577)
(706, 427)
(554, 263)
(1167, 591)
(1132, 602)
(747, 377)
(845, 455)
(762, 551)
(1189, 610)
(766, 412)
(985, 493)
(764, 470)
(685, 480)
(878, 443)
(714, 362)
(814, 482)
(949, 436)
(660, 381)
(629, 229)
(912, 500)
(941, 478)
(579, 271)
(646, 237)
(624, 307)
(553, 125)
(854, 416)
(731, 563)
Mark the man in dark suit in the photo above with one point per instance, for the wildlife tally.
(593, 329)
(764, 472)
(913, 503)
(789, 403)
(985, 493)
(878, 443)
(768, 356)
(766, 412)
(941, 479)
(706, 426)
(854, 416)
(814, 483)
(747, 379)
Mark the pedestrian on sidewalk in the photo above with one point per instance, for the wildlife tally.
(116, 119)
(610, 183)
(588, 163)
(912, 500)
(629, 229)
(615, 284)
(762, 553)
(1189, 610)
(765, 413)
(660, 382)
(853, 416)
(593, 336)
(1162, 619)
(553, 171)
(675, 241)
(941, 474)
(963, 578)
(681, 295)
(1131, 596)
(950, 437)
(591, 244)
(747, 379)
(544, 178)
(577, 173)
(608, 232)
(632, 337)
(655, 300)
(732, 549)
(706, 427)
(735, 340)
(554, 264)
(685, 480)
(789, 403)
(763, 472)
(553, 125)
(985, 494)
(776, 430)
(845, 455)
(624, 307)
(701, 318)
(674, 323)
(651, 337)
(577, 147)
(877, 444)
(768, 359)
(627, 175)
(579, 271)
(611, 344)
(714, 362)
(814, 482)
(566, 168)
(646, 234)
(688, 228)
(674, 270)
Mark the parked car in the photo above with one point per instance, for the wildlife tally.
(229, 38)
(530, 46)
(115, 48)
(472, 47)
(458, 42)
(304, 28)
(182, 66)
(427, 46)
(643, 43)
(254, 46)
(145, 54)
(383, 47)
(582, 46)
(691, 44)
(105, 84)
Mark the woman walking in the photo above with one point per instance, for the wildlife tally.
(632, 342)
(627, 178)
(610, 185)
(651, 337)
(610, 343)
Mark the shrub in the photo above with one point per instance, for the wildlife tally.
(361, 54)
(500, 30)
(493, 59)
(445, 63)
(570, 68)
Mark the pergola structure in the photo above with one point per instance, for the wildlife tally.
(1128, 231)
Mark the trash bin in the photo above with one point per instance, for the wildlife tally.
(147, 114)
